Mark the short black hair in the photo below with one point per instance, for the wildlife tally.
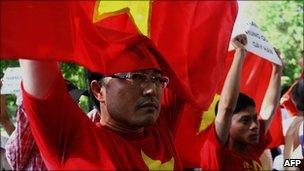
(242, 103)
(91, 76)
(297, 94)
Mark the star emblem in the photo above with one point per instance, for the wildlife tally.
(139, 10)
(209, 116)
(157, 164)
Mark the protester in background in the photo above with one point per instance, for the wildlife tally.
(238, 137)
(9, 128)
(268, 155)
(4, 117)
(21, 150)
(293, 148)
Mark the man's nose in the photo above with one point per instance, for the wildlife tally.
(149, 89)
(254, 125)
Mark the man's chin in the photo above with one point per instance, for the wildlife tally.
(149, 119)
(254, 142)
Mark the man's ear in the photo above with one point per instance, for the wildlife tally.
(98, 91)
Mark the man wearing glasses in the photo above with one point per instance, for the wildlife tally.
(133, 132)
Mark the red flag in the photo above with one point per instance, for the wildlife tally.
(276, 130)
(194, 37)
(32, 29)
(287, 103)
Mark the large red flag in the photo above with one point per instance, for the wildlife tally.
(185, 32)
(65, 31)
(194, 37)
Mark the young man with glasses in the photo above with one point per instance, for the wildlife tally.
(134, 132)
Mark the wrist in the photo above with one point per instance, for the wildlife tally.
(277, 68)
(241, 52)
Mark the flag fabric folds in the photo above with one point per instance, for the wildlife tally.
(192, 35)
(195, 41)
(287, 103)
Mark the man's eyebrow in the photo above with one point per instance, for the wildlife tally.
(246, 116)
(249, 115)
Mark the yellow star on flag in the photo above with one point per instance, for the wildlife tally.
(157, 164)
(139, 10)
(209, 116)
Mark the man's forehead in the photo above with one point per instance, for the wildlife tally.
(249, 111)
(247, 114)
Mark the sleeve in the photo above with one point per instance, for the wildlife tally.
(20, 143)
(55, 121)
(212, 151)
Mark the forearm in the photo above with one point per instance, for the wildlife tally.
(291, 136)
(272, 96)
(4, 118)
(8, 127)
(231, 86)
(229, 97)
(38, 76)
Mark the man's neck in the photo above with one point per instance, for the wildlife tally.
(237, 146)
(106, 120)
(119, 127)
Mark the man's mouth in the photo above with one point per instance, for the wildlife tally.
(254, 136)
(149, 105)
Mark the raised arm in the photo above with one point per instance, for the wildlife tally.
(272, 96)
(230, 90)
(38, 76)
(292, 136)
(4, 118)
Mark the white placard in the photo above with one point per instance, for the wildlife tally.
(11, 81)
(259, 45)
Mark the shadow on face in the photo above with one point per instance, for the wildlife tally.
(245, 127)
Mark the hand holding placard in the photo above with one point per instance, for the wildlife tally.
(259, 45)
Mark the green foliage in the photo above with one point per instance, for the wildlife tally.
(7, 63)
(71, 72)
(76, 74)
(10, 99)
(282, 24)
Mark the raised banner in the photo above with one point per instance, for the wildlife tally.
(11, 81)
(259, 45)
